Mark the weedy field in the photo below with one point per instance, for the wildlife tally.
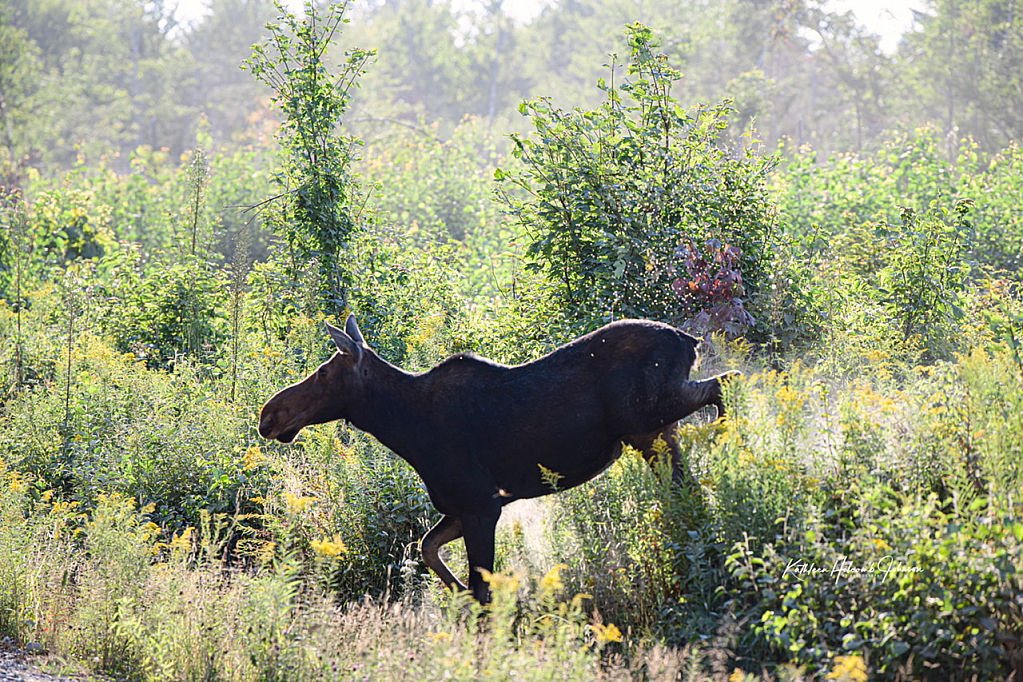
(858, 513)
(832, 526)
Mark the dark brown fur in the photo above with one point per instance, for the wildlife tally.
(482, 434)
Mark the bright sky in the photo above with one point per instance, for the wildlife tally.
(889, 18)
(189, 10)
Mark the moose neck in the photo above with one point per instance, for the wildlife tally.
(388, 406)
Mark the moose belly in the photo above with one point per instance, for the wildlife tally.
(559, 473)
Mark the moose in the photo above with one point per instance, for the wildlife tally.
(482, 434)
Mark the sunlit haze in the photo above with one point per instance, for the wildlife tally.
(888, 18)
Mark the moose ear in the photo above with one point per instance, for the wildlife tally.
(344, 342)
(352, 329)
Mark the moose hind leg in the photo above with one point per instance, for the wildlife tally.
(447, 529)
(669, 435)
(726, 377)
(699, 394)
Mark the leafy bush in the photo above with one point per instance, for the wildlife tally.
(355, 513)
(436, 188)
(160, 311)
(903, 537)
(894, 290)
(151, 204)
(162, 439)
(913, 589)
(924, 273)
(441, 191)
(906, 171)
(408, 301)
(611, 194)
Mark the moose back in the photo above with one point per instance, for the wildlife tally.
(483, 434)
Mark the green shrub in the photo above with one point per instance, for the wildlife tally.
(118, 550)
(354, 513)
(638, 545)
(611, 197)
(913, 589)
(162, 439)
(905, 171)
(892, 290)
(161, 311)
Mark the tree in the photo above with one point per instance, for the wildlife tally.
(218, 45)
(19, 69)
(851, 81)
(965, 62)
(108, 81)
(319, 216)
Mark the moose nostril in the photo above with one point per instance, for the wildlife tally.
(265, 425)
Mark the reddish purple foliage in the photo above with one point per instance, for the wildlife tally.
(712, 279)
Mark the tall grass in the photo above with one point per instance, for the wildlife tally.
(149, 533)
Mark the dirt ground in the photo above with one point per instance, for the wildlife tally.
(18, 665)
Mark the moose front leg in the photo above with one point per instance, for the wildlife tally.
(447, 529)
(478, 532)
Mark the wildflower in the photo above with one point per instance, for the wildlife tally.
(265, 552)
(296, 503)
(149, 530)
(500, 582)
(551, 583)
(330, 547)
(550, 477)
(60, 507)
(848, 669)
(786, 394)
(253, 458)
(606, 633)
(737, 676)
(181, 543)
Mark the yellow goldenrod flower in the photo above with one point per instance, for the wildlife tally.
(330, 547)
(253, 458)
(297, 504)
(848, 669)
(606, 633)
(551, 582)
(266, 551)
(60, 507)
(181, 544)
(550, 477)
(501, 582)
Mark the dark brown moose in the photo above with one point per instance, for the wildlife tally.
(483, 434)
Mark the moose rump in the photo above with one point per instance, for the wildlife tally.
(483, 434)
